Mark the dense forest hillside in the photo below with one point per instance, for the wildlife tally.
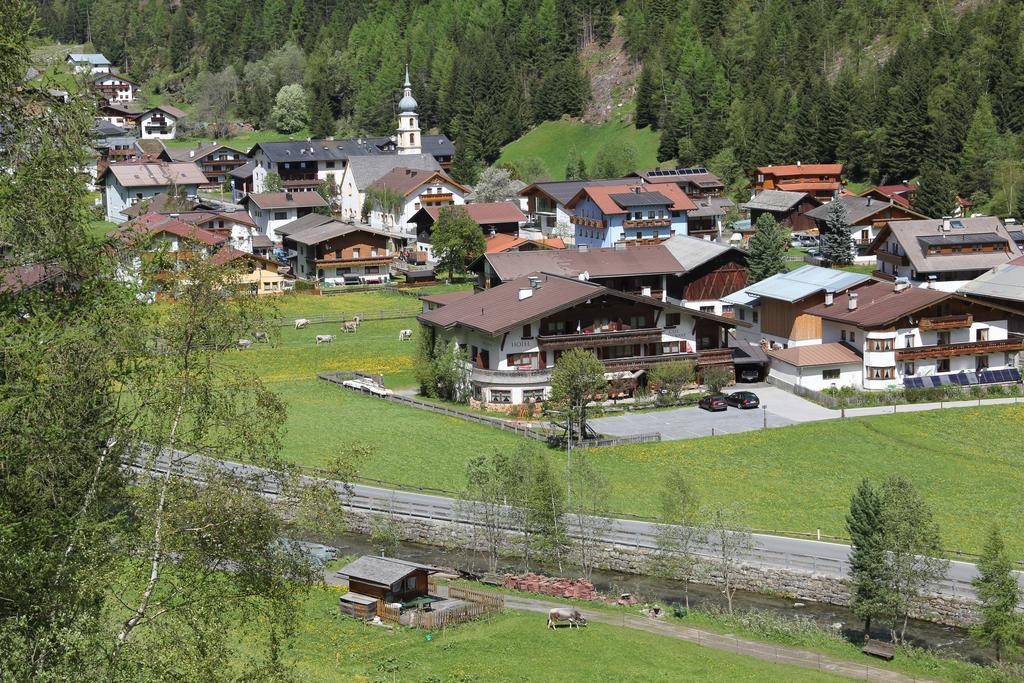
(896, 89)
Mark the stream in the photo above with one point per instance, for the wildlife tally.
(947, 640)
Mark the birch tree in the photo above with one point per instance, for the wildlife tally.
(681, 535)
(732, 542)
(588, 509)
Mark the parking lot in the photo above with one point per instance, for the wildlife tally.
(781, 409)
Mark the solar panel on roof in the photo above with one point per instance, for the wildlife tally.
(913, 382)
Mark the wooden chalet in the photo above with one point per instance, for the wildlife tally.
(387, 579)
(821, 181)
(788, 208)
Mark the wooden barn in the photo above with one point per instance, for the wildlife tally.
(387, 579)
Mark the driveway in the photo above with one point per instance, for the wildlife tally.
(782, 408)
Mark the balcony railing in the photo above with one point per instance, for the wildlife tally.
(434, 198)
(963, 349)
(512, 377)
(889, 257)
(707, 357)
(588, 222)
(946, 322)
(595, 339)
(648, 223)
(644, 362)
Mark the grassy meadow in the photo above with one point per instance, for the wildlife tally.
(967, 462)
(511, 646)
(551, 141)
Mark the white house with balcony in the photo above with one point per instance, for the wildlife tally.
(88, 62)
(514, 333)
(273, 210)
(411, 189)
(160, 122)
(604, 215)
(895, 335)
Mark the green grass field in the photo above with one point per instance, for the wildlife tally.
(242, 142)
(551, 141)
(966, 462)
(512, 646)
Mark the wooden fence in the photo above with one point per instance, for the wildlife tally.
(386, 613)
(495, 600)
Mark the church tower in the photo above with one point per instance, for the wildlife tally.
(408, 121)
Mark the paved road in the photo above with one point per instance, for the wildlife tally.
(782, 409)
(778, 552)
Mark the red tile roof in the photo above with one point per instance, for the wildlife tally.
(801, 169)
(153, 224)
(602, 196)
(156, 174)
(501, 243)
(832, 353)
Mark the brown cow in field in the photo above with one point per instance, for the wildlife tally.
(569, 614)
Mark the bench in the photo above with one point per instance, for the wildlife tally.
(880, 649)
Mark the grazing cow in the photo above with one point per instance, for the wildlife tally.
(349, 326)
(324, 339)
(357, 320)
(261, 336)
(403, 335)
(569, 614)
(300, 323)
(244, 343)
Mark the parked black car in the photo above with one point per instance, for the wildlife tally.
(713, 403)
(750, 375)
(743, 399)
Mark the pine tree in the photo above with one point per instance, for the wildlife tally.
(981, 149)
(180, 39)
(936, 195)
(647, 104)
(767, 249)
(676, 124)
(1001, 626)
(867, 555)
(836, 242)
(575, 168)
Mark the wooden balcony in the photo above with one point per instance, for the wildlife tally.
(964, 349)
(588, 222)
(595, 339)
(946, 322)
(644, 362)
(362, 261)
(653, 293)
(648, 223)
(888, 257)
(708, 357)
(436, 198)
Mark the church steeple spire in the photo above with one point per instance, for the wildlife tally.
(408, 121)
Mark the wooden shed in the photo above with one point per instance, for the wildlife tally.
(387, 579)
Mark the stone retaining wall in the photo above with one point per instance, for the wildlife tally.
(797, 584)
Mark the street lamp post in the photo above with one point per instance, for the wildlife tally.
(764, 413)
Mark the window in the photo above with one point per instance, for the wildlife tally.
(942, 338)
(522, 361)
(372, 270)
(417, 206)
(555, 326)
(842, 335)
(879, 344)
(412, 138)
(672, 319)
(980, 363)
(740, 313)
(527, 331)
(981, 334)
(831, 373)
(881, 373)
(637, 322)
(533, 395)
(501, 396)
(280, 215)
(909, 369)
(707, 309)
(670, 347)
(908, 341)
(853, 336)
(639, 235)
(328, 164)
(373, 251)
(755, 317)
(355, 252)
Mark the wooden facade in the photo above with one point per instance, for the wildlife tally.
(712, 280)
(413, 585)
(795, 218)
(788, 320)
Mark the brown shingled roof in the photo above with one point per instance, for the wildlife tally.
(879, 304)
(406, 180)
(487, 212)
(284, 200)
(608, 262)
(832, 353)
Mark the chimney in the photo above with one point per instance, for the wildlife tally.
(852, 305)
(191, 153)
(945, 222)
(534, 282)
(829, 298)
(799, 163)
(869, 200)
(525, 293)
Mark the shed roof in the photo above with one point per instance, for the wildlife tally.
(287, 200)
(1005, 281)
(796, 284)
(774, 200)
(156, 174)
(383, 571)
(699, 176)
(316, 234)
(833, 353)
(710, 206)
(879, 304)
(564, 190)
(167, 109)
(243, 171)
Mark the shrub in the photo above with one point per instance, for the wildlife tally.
(672, 377)
(715, 378)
